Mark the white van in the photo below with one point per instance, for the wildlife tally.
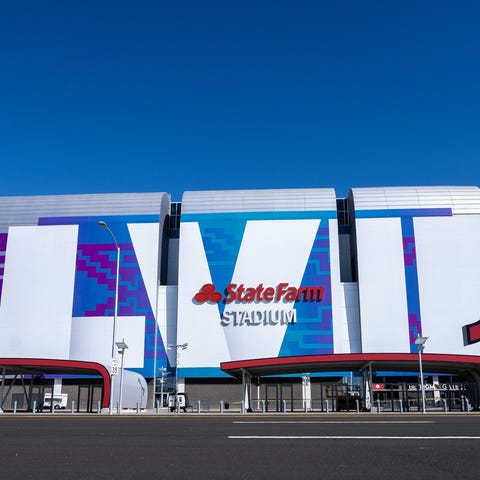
(59, 400)
(180, 400)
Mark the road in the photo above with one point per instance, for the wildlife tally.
(370, 446)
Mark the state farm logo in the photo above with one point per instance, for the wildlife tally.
(259, 294)
(208, 293)
(277, 303)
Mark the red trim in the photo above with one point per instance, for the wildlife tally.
(70, 366)
(349, 358)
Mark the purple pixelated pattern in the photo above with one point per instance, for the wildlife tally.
(414, 327)
(98, 265)
(411, 280)
(98, 262)
(101, 265)
(409, 251)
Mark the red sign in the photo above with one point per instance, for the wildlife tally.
(241, 294)
(208, 293)
(471, 333)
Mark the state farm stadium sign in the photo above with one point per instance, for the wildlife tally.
(260, 305)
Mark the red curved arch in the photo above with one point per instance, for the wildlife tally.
(64, 366)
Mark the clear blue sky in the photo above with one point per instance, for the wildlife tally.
(130, 96)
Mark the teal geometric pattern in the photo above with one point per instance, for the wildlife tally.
(221, 241)
(312, 334)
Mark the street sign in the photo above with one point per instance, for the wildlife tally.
(114, 369)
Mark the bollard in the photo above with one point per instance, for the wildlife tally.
(357, 404)
(157, 407)
(444, 405)
(326, 406)
(138, 407)
(378, 406)
(34, 408)
(263, 406)
(15, 406)
(401, 405)
(118, 409)
(462, 403)
(221, 406)
(72, 407)
(284, 406)
(242, 407)
(99, 408)
(467, 405)
(199, 405)
(305, 406)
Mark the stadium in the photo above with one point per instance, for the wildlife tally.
(253, 300)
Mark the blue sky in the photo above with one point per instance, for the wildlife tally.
(132, 96)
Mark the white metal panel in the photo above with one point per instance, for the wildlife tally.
(346, 319)
(338, 311)
(25, 210)
(37, 296)
(315, 199)
(145, 239)
(462, 200)
(167, 313)
(351, 327)
(382, 289)
(92, 339)
(448, 265)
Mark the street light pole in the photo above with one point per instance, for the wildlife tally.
(122, 346)
(183, 346)
(420, 342)
(163, 374)
(115, 309)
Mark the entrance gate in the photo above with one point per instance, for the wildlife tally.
(334, 397)
(86, 396)
(407, 396)
(278, 394)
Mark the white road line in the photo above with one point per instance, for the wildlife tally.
(342, 437)
(335, 422)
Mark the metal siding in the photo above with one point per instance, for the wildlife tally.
(26, 210)
(227, 201)
(462, 200)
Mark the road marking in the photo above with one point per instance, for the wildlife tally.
(335, 422)
(342, 437)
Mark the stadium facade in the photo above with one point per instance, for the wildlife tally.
(226, 288)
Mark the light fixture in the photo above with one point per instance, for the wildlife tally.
(103, 224)
(122, 346)
(420, 342)
(183, 346)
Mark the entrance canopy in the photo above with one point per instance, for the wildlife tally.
(394, 362)
(36, 366)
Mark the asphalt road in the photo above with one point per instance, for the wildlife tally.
(367, 446)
